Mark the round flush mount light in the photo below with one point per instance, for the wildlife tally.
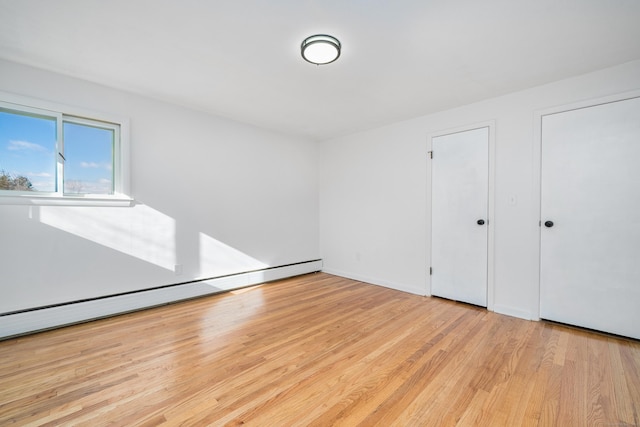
(320, 49)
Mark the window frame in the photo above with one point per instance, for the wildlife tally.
(70, 114)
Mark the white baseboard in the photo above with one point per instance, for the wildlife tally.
(514, 312)
(52, 317)
(500, 309)
(374, 281)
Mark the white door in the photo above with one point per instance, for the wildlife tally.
(459, 223)
(590, 217)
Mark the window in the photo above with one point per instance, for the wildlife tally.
(27, 150)
(88, 153)
(60, 154)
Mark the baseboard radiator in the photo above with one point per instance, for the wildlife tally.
(39, 319)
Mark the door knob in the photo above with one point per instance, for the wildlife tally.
(481, 222)
(548, 224)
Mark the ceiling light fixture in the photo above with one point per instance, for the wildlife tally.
(320, 49)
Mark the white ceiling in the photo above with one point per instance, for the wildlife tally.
(241, 58)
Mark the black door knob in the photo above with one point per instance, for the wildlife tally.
(481, 222)
(548, 224)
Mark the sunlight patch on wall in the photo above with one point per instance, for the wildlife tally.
(140, 231)
(218, 259)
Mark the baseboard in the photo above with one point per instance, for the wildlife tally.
(514, 312)
(509, 311)
(374, 281)
(21, 323)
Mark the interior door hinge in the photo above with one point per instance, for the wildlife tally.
(430, 154)
(430, 271)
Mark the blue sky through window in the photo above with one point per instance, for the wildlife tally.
(89, 159)
(28, 148)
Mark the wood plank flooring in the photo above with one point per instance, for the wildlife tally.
(319, 350)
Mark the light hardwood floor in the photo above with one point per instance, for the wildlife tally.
(319, 350)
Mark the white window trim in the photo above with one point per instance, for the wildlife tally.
(122, 189)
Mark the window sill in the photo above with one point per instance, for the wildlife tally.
(115, 201)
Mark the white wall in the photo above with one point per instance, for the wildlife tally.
(211, 194)
(373, 194)
(221, 197)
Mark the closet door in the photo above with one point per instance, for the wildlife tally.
(459, 223)
(590, 217)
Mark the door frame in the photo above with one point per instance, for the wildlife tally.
(537, 172)
(491, 124)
